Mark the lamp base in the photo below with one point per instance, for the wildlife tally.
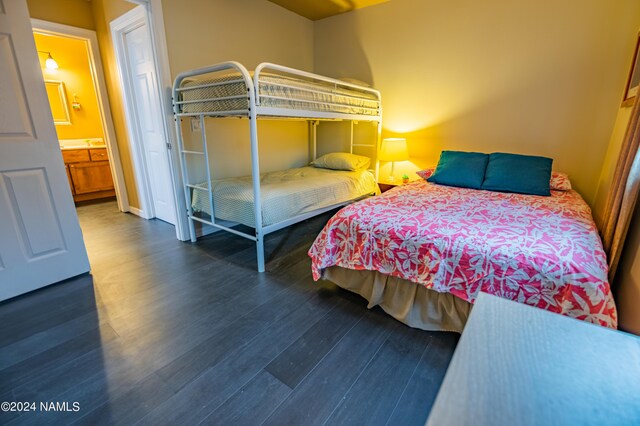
(391, 178)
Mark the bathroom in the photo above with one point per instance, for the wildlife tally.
(68, 71)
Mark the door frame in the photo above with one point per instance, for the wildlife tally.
(97, 73)
(155, 19)
(127, 22)
(142, 15)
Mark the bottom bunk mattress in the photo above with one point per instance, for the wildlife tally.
(541, 251)
(285, 194)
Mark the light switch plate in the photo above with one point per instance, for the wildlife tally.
(195, 124)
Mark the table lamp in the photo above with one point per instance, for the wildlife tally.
(394, 149)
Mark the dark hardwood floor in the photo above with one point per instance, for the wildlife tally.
(166, 332)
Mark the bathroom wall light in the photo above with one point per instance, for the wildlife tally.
(50, 63)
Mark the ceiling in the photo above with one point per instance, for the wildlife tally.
(320, 9)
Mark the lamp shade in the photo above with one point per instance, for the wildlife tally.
(51, 63)
(394, 149)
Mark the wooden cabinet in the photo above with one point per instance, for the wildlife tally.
(98, 154)
(384, 187)
(89, 173)
(91, 177)
(66, 167)
(75, 155)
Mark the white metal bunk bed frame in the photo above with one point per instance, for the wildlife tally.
(254, 111)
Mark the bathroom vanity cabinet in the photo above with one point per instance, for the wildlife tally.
(89, 173)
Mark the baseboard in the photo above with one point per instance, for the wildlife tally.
(110, 193)
(136, 211)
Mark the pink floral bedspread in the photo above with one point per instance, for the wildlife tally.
(541, 251)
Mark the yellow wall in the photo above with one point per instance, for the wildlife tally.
(283, 37)
(205, 32)
(537, 77)
(105, 11)
(96, 15)
(609, 164)
(250, 32)
(75, 72)
(76, 13)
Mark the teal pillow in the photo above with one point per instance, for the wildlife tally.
(458, 168)
(522, 174)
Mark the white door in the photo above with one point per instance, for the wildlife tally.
(145, 113)
(40, 238)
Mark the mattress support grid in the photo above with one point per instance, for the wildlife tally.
(284, 98)
(222, 98)
(308, 75)
(318, 92)
(204, 86)
(287, 113)
(238, 113)
(271, 113)
(253, 112)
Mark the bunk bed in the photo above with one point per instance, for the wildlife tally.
(273, 91)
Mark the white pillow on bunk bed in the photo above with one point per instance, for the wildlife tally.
(342, 161)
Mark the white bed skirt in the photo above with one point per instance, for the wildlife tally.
(410, 303)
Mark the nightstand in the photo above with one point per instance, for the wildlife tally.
(385, 186)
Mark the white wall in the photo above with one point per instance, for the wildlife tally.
(534, 77)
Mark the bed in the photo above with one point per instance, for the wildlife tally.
(424, 252)
(271, 91)
(285, 193)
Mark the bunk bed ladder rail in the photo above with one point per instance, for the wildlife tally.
(314, 139)
(255, 162)
(255, 177)
(183, 162)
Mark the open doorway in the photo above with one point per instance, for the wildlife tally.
(74, 80)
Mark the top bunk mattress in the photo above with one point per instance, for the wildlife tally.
(285, 193)
(276, 91)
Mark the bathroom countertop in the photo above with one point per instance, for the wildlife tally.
(70, 147)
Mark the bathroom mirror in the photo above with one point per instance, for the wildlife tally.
(58, 101)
